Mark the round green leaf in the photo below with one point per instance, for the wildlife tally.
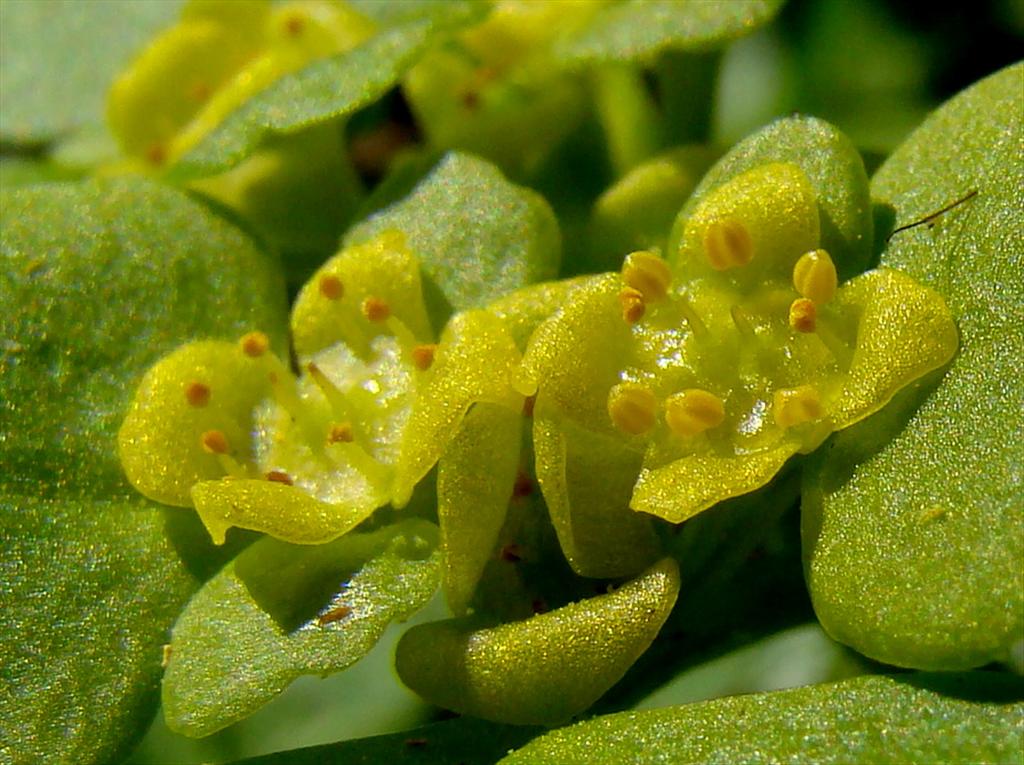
(914, 520)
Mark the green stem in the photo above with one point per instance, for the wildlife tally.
(628, 114)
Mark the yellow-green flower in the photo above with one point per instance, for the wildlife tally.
(670, 392)
(229, 428)
(220, 54)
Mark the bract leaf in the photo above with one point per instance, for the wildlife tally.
(473, 364)
(279, 611)
(587, 479)
(837, 176)
(327, 89)
(637, 30)
(94, 574)
(53, 75)
(477, 235)
(475, 478)
(546, 668)
(968, 718)
(913, 531)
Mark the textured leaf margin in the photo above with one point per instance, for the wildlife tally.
(971, 718)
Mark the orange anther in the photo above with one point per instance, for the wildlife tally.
(254, 344)
(375, 309)
(803, 316)
(279, 476)
(215, 442)
(423, 356)
(197, 393)
(331, 287)
(340, 433)
(336, 614)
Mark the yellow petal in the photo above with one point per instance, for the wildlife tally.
(330, 307)
(771, 209)
(687, 486)
(545, 669)
(207, 386)
(905, 331)
(283, 511)
(473, 363)
(587, 480)
(474, 484)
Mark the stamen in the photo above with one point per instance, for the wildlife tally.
(523, 486)
(165, 659)
(294, 25)
(814, 276)
(375, 309)
(692, 411)
(340, 433)
(423, 356)
(279, 476)
(648, 274)
(214, 442)
(632, 408)
(742, 322)
(692, 318)
(331, 287)
(727, 244)
(197, 394)
(795, 406)
(254, 344)
(156, 155)
(633, 306)
(803, 316)
(335, 398)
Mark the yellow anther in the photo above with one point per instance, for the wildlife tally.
(727, 244)
(197, 393)
(814, 276)
(647, 274)
(279, 476)
(803, 316)
(633, 305)
(633, 408)
(215, 442)
(375, 309)
(340, 433)
(423, 356)
(331, 287)
(254, 344)
(693, 411)
(795, 406)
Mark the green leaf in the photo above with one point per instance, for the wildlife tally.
(836, 172)
(463, 741)
(325, 90)
(103, 277)
(58, 57)
(97, 280)
(969, 718)
(637, 30)
(544, 669)
(914, 536)
(477, 235)
(279, 611)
